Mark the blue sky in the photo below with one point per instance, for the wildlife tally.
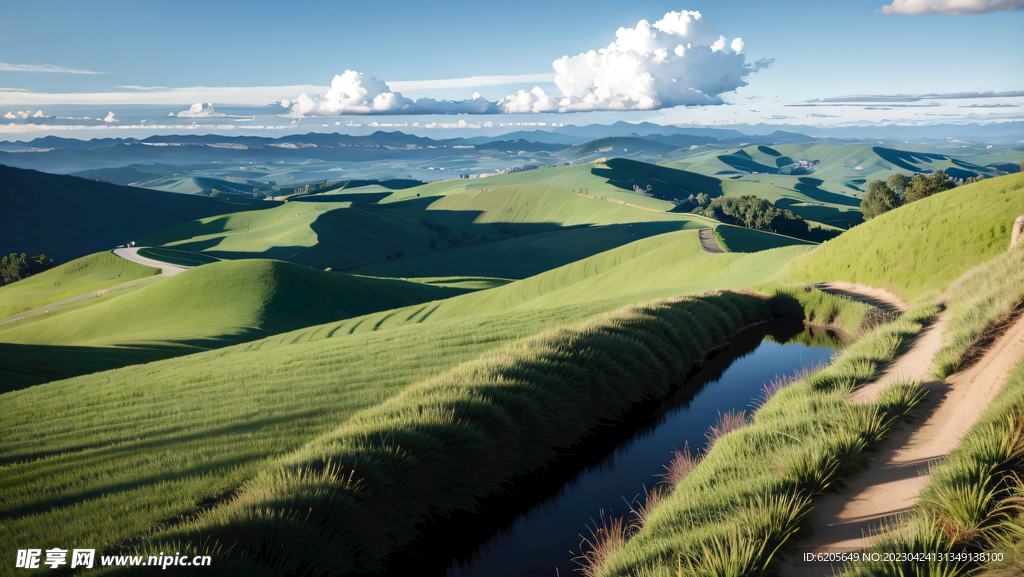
(824, 48)
(820, 49)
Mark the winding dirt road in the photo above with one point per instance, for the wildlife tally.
(707, 241)
(900, 469)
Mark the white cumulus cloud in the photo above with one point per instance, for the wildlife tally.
(357, 93)
(952, 7)
(10, 115)
(533, 101)
(197, 110)
(351, 93)
(110, 118)
(678, 60)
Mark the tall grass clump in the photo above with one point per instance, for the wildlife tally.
(821, 308)
(367, 488)
(974, 502)
(750, 496)
(980, 303)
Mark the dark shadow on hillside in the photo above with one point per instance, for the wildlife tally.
(768, 150)
(393, 184)
(23, 366)
(366, 234)
(741, 161)
(360, 197)
(906, 159)
(519, 258)
(811, 187)
(824, 214)
(666, 183)
(188, 229)
(960, 173)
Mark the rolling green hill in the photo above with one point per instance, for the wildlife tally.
(830, 191)
(95, 272)
(65, 217)
(159, 440)
(208, 307)
(518, 258)
(836, 163)
(917, 250)
(330, 230)
(597, 179)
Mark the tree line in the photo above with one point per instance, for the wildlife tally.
(759, 214)
(899, 190)
(15, 267)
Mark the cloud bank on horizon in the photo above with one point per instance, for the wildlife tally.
(678, 60)
(951, 7)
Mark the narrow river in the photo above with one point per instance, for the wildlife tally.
(542, 538)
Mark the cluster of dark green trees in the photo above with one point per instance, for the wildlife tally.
(759, 214)
(898, 190)
(15, 267)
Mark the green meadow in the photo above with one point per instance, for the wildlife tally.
(93, 273)
(265, 406)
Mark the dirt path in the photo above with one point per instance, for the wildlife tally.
(875, 297)
(132, 254)
(707, 241)
(898, 472)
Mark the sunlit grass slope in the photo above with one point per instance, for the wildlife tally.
(916, 251)
(598, 181)
(214, 305)
(343, 235)
(90, 273)
(611, 179)
(156, 441)
(650, 268)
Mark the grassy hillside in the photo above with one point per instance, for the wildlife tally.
(211, 306)
(526, 256)
(652, 268)
(830, 191)
(195, 429)
(330, 230)
(916, 251)
(598, 180)
(65, 217)
(739, 239)
(95, 272)
(838, 163)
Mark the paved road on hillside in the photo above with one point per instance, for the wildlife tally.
(125, 253)
(707, 241)
(132, 254)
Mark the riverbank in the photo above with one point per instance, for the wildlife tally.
(750, 495)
